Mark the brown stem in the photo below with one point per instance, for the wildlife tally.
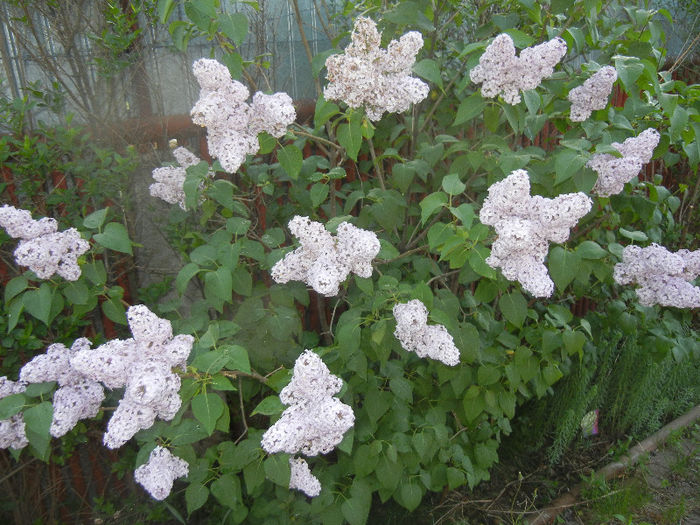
(237, 374)
(307, 47)
(377, 165)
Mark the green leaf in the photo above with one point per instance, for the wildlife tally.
(39, 389)
(469, 108)
(219, 284)
(513, 307)
(270, 406)
(234, 26)
(207, 408)
(410, 495)
(38, 302)
(520, 39)
(180, 34)
(277, 469)
(222, 192)
(318, 62)
(506, 401)
(465, 213)
(635, 236)
(211, 362)
(551, 374)
(201, 13)
(350, 137)
(324, 111)
(96, 219)
(237, 225)
(573, 342)
(477, 261)
(196, 495)
(629, 70)
(227, 490)
(242, 281)
(95, 272)
(566, 164)
(114, 310)
(355, 509)
(77, 292)
(563, 266)
(452, 184)
(290, 159)
(590, 250)
(431, 204)
(15, 286)
(237, 358)
(115, 237)
(429, 70)
(14, 311)
(473, 404)
(37, 420)
(163, 9)
(185, 275)
(488, 375)
(187, 432)
(11, 405)
(318, 194)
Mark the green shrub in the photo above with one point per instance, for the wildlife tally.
(417, 179)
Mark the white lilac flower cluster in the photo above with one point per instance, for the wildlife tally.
(158, 474)
(77, 397)
(525, 226)
(43, 249)
(12, 433)
(500, 72)
(663, 277)
(322, 261)
(592, 95)
(614, 172)
(415, 335)
(170, 180)
(232, 124)
(314, 422)
(366, 75)
(143, 365)
(302, 479)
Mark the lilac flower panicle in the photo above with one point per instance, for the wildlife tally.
(158, 474)
(367, 76)
(78, 397)
(232, 124)
(311, 381)
(663, 277)
(314, 422)
(500, 72)
(324, 261)
(592, 95)
(12, 430)
(302, 479)
(143, 366)
(415, 335)
(170, 180)
(42, 248)
(525, 226)
(614, 172)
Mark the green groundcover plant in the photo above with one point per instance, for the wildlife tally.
(370, 297)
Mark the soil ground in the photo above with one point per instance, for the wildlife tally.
(662, 489)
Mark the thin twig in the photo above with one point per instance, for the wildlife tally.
(245, 423)
(237, 374)
(377, 165)
(315, 138)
